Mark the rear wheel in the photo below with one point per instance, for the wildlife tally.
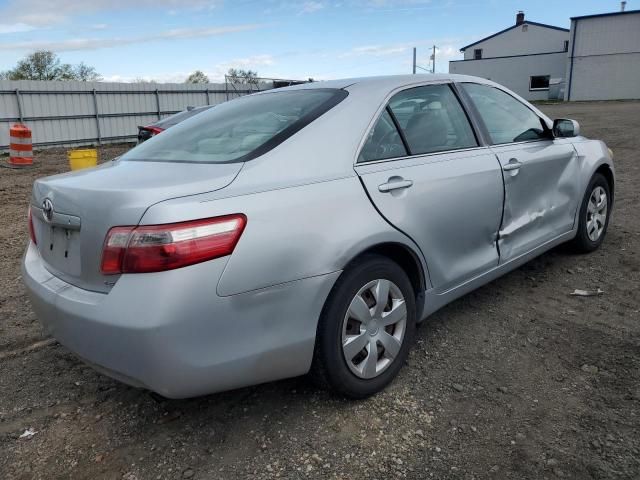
(594, 215)
(366, 328)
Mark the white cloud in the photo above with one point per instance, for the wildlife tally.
(99, 43)
(39, 13)
(311, 6)
(175, 77)
(14, 27)
(375, 50)
(216, 74)
(396, 3)
(246, 63)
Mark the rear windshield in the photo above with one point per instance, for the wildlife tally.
(238, 130)
(179, 117)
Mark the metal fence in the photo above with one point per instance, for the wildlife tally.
(76, 113)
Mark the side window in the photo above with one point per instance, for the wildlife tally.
(432, 120)
(384, 141)
(507, 119)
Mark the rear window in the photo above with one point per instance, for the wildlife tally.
(176, 118)
(238, 130)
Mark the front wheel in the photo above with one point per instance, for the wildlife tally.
(595, 211)
(366, 328)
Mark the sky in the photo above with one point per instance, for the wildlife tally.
(165, 40)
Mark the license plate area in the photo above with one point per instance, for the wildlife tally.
(60, 248)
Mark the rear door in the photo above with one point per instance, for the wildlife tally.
(539, 171)
(423, 168)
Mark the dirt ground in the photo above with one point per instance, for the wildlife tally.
(516, 380)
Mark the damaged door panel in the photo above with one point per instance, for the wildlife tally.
(451, 210)
(541, 194)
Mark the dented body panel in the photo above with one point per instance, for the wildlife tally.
(540, 198)
(452, 210)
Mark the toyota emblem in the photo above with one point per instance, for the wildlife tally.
(47, 210)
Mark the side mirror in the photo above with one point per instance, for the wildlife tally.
(564, 128)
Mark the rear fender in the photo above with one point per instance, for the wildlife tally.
(291, 233)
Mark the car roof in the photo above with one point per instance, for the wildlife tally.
(383, 84)
(387, 82)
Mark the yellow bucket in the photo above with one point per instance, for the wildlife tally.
(83, 158)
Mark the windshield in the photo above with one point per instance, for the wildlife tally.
(238, 130)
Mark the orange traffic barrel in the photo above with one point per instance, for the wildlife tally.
(20, 146)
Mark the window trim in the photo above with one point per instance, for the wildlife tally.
(474, 126)
(531, 89)
(476, 57)
(398, 129)
(484, 128)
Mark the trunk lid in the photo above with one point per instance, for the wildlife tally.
(73, 212)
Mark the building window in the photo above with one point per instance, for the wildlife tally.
(566, 45)
(539, 82)
(477, 54)
(525, 27)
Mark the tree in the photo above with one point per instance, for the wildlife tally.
(244, 77)
(86, 73)
(197, 77)
(144, 80)
(45, 65)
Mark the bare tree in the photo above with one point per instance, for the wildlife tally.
(143, 80)
(45, 65)
(243, 77)
(86, 73)
(197, 77)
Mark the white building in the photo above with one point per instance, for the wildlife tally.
(604, 57)
(523, 57)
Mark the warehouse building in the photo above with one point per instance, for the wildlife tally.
(524, 57)
(604, 57)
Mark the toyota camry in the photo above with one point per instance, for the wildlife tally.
(306, 230)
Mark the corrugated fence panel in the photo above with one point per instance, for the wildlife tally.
(74, 113)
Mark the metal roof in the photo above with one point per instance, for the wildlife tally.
(526, 22)
(610, 14)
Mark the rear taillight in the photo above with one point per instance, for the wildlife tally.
(32, 232)
(154, 130)
(155, 248)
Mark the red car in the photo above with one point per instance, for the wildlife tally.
(146, 132)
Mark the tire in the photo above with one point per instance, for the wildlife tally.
(587, 239)
(341, 322)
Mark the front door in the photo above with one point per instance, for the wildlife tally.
(427, 175)
(539, 172)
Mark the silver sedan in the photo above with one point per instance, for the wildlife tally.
(306, 229)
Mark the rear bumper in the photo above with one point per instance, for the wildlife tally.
(171, 333)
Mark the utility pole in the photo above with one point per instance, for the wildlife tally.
(414, 60)
(433, 60)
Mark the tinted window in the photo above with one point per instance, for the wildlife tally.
(432, 119)
(238, 130)
(176, 118)
(384, 141)
(507, 119)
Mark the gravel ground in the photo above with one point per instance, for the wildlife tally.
(516, 380)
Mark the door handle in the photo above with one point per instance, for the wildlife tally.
(395, 185)
(512, 165)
